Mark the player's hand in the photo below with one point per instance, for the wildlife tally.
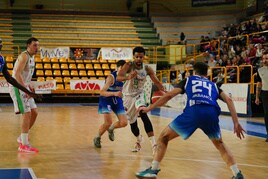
(257, 101)
(143, 109)
(239, 131)
(31, 88)
(119, 94)
(38, 97)
(132, 75)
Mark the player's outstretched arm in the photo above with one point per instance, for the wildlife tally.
(123, 73)
(14, 82)
(238, 130)
(154, 78)
(109, 82)
(162, 100)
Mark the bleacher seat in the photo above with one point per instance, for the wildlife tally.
(63, 60)
(55, 66)
(103, 61)
(75, 78)
(97, 66)
(93, 78)
(107, 72)
(99, 73)
(66, 79)
(82, 73)
(80, 66)
(67, 86)
(47, 66)
(89, 66)
(10, 65)
(113, 66)
(58, 79)
(101, 78)
(60, 87)
(87, 61)
(74, 73)
(46, 60)
(10, 71)
(72, 66)
(49, 78)
(70, 60)
(90, 73)
(57, 73)
(39, 66)
(64, 66)
(84, 78)
(105, 66)
(41, 79)
(65, 73)
(37, 60)
(79, 61)
(9, 59)
(54, 60)
(39, 73)
(48, 72)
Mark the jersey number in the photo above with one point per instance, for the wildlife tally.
(198, 86)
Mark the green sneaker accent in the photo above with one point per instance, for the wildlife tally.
(238, 176)
(148, 173)
(97, 142)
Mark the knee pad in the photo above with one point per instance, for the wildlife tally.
(146, 121)
(134, 129)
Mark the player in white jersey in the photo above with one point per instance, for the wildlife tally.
(134, 96)
(23, 104)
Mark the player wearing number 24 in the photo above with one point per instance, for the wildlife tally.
(201, 111)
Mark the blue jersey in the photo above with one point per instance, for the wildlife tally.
(117, 85)
(201, 111)
(112, 103)
(201, 90)
(2, 63)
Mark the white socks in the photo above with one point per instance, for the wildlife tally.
(155, 165)
(234, 169)
(24, 138)
(152, 140)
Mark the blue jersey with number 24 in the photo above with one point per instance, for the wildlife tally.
(200, 91)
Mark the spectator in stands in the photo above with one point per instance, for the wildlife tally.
(244, 52)
(262, 88)
(252, 53)
(22, 72)
(259, 53)
(172, 74)
(202, 45)
(183, 40)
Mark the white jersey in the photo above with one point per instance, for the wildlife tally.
(136, 85)
(28, 69)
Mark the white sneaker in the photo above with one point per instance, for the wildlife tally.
(137, 147)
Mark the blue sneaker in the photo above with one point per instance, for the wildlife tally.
(238, 176)
(148, 173)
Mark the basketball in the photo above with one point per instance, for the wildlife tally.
(157, 95)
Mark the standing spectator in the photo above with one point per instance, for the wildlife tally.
(262, 88)
(183, 39)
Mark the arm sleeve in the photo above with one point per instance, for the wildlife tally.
(181, 85)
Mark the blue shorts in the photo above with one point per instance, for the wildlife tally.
(109, 104)
(205, 117)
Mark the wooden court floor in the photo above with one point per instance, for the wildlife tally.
(64, 135)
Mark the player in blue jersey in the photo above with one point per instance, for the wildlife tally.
(10, 79)
(201, 111)
(111, 100)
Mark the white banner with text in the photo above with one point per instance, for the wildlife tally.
(90, 85)
(239, 95)
(57, 52)
(116, 53)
